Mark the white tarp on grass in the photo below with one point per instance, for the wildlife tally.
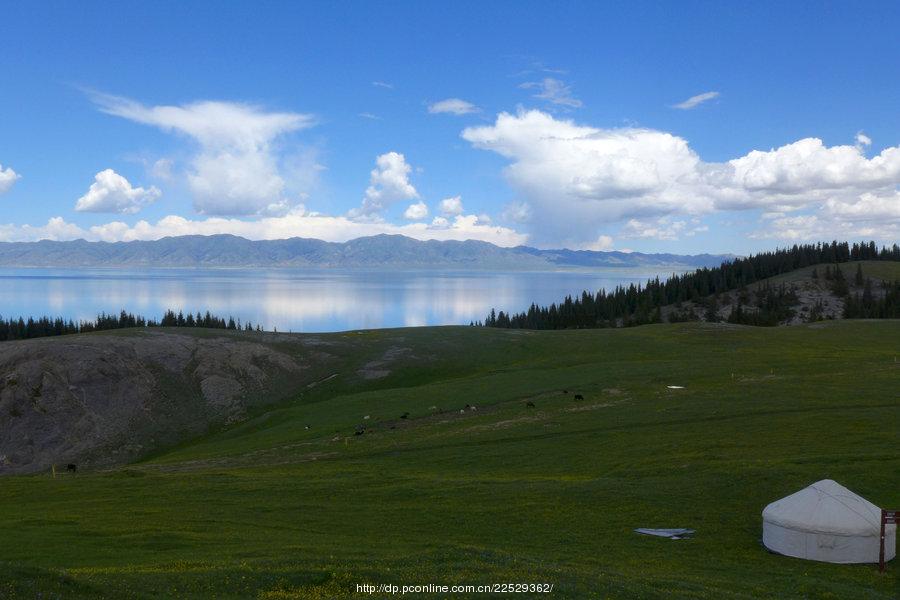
(672, 534)
(827, 522)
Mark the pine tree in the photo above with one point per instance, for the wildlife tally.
(839, 286)
(712, 310)
(868, 299)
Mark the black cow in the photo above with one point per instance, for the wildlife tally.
(529, 404)
(579, 397)
(359, 430)
(71, 468)
(404, 415)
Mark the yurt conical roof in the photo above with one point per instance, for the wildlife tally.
(825, 507)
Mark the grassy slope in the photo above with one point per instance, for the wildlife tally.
(270, 509)
(876, 269)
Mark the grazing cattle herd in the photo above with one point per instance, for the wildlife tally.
(361, 429)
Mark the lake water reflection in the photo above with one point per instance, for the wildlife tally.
(293, 299)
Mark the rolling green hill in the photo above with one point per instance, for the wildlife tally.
(291, 504)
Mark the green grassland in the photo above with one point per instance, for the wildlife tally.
(506, 493)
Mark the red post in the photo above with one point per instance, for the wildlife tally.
(888, 517)
(881, 551)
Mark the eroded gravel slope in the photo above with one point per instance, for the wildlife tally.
(104, 399)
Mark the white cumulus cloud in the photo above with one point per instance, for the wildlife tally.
(237, 170)
(388, 183)
(573, 179)
(450, 207)
(808, 165)
(112, 193)
(56, 229)
(453, 106)
(695, 101)
(416, 212)
(8, 178)
(576, 179)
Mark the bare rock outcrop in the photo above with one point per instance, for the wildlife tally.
(110, 398)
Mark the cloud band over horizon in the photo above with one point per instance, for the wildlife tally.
(575, 185)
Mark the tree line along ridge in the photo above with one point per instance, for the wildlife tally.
(643, 304)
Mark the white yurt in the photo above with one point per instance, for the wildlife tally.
(827, 522)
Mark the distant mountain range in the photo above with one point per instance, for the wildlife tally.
(395, 251)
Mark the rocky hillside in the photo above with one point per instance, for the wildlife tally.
(112, 397)
(805, 295)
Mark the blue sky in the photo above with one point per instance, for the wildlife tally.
(551, 124)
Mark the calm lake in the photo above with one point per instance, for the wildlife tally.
(312, 300)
